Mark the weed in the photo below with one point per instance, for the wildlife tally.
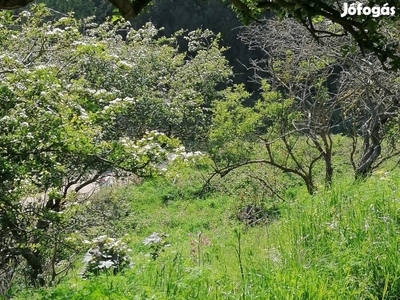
(198, 243)
(156, 242)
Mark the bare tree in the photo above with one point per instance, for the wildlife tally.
(369, 97)
(301, 69)
(333, 91)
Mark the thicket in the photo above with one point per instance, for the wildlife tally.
(78, 101)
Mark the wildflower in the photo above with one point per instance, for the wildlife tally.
(153, 238)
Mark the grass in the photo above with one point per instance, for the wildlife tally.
(341, 243)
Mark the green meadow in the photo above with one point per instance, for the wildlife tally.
(341, 243)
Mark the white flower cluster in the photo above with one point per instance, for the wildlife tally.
(7, 118)
(55, 31)
(25, 14)
(119, 101)
(179, 153)
(105, 253)
(153, 238)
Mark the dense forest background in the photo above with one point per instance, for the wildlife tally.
(174, 15)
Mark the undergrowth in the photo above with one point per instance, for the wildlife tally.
(341, 243)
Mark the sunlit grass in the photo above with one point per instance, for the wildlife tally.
(341, 243)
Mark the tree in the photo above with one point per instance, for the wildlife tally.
(309, 92)
(294, 118)
(369, 100)
(172, 89)
(360, 97)
(263, 134)
(69, 112)
(369, 29)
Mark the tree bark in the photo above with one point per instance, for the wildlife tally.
(36, 265)
(125, 7)
(371, 148)
(328, 169)
(32, 257)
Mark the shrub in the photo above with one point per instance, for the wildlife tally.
(105, 253)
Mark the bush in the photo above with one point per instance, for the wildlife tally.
(106, 253)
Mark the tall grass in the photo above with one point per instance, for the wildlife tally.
(342, 243)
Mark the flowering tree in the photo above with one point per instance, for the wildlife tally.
(368, 22)
(77, 101)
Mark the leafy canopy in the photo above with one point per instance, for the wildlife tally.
(78, 100)
(372, 33)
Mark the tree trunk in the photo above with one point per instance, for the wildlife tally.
(328, 169)
(371, 148)
(36, 265)
(309, 184)
(34, 258)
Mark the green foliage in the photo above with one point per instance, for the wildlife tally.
(340, 244)
(262, 134)
(315, 101)
(371, 32)
(77, 101)
(234, 128)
